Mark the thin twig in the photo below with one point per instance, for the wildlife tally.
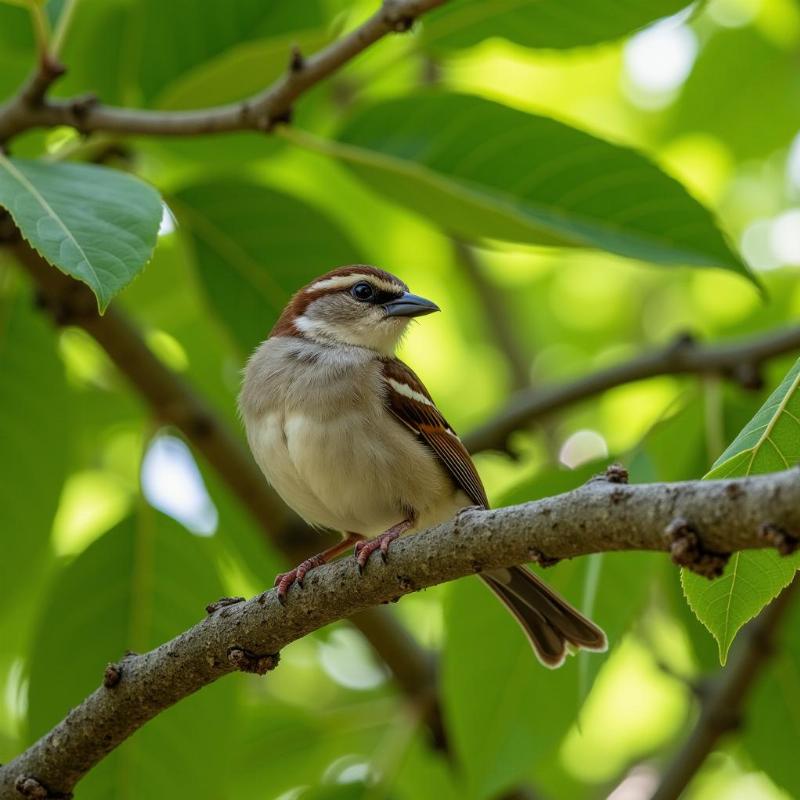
(725, 698)
(602, 515)
(737, 360)
(260, 112)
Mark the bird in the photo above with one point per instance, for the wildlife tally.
(350, 438)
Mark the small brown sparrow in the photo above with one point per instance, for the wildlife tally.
(350, 438)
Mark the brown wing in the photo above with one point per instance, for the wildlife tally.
(409, 401)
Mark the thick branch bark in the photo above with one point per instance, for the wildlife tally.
(34, 110)
(724, 700)
(737, 360)
(600, 516)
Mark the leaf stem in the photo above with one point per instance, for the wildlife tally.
(62, 27)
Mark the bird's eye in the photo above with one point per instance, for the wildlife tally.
(362, 291)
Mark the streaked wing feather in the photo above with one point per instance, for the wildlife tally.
(432, 428)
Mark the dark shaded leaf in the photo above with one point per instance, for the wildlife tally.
(485, 170)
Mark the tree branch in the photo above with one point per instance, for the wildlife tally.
(738, 360)
(724, 699)
(260, 112)
(602, 515)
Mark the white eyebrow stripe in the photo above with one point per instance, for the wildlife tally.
(407, 391)
(344, 281)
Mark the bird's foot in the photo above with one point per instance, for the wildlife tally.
(363, 550)
(285, 580)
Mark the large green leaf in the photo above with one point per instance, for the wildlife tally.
(96, 224)
(255, 246)
(36, 435)
(485, 170)
(139, 585)
(768, 443)
(541, 23)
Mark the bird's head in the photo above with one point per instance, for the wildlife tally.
(357, 305)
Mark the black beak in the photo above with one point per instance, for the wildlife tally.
(409, 305)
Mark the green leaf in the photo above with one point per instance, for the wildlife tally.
(139, 585)
(207, 31)
(97, 225)
(773, 711)
(541, 23)
(254, 247)
(770, 442)
(37, 435)
(482, 169)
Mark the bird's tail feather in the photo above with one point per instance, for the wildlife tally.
(553, 627)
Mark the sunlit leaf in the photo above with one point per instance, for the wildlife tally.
(769, 442)
(254, 247)
(96, 224)
(485, 170)
(541, 23)
(136, 587)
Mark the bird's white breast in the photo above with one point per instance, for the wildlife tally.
(319, 430)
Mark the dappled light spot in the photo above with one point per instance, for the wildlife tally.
(168, 222)
(347, 660)
(92, 502)
(784, 237)
(172, 483)
(581, 447)
(657, 62)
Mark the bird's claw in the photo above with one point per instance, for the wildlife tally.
(285, 580)
(363, 550)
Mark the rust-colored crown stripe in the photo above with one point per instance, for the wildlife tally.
(301, 299)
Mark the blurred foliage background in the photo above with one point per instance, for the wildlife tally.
(115, 538)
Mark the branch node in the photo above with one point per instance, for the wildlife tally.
(223, 602)
(33, 789)
(406, 583)
(734, 491)
(784, 542)
(296, 60)
(748, 375)
(247, 661)
(616, 473)
(397, 19)
(112, 675)
(268, 122)
(683, 342)
(538, 557)
(687, 550)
